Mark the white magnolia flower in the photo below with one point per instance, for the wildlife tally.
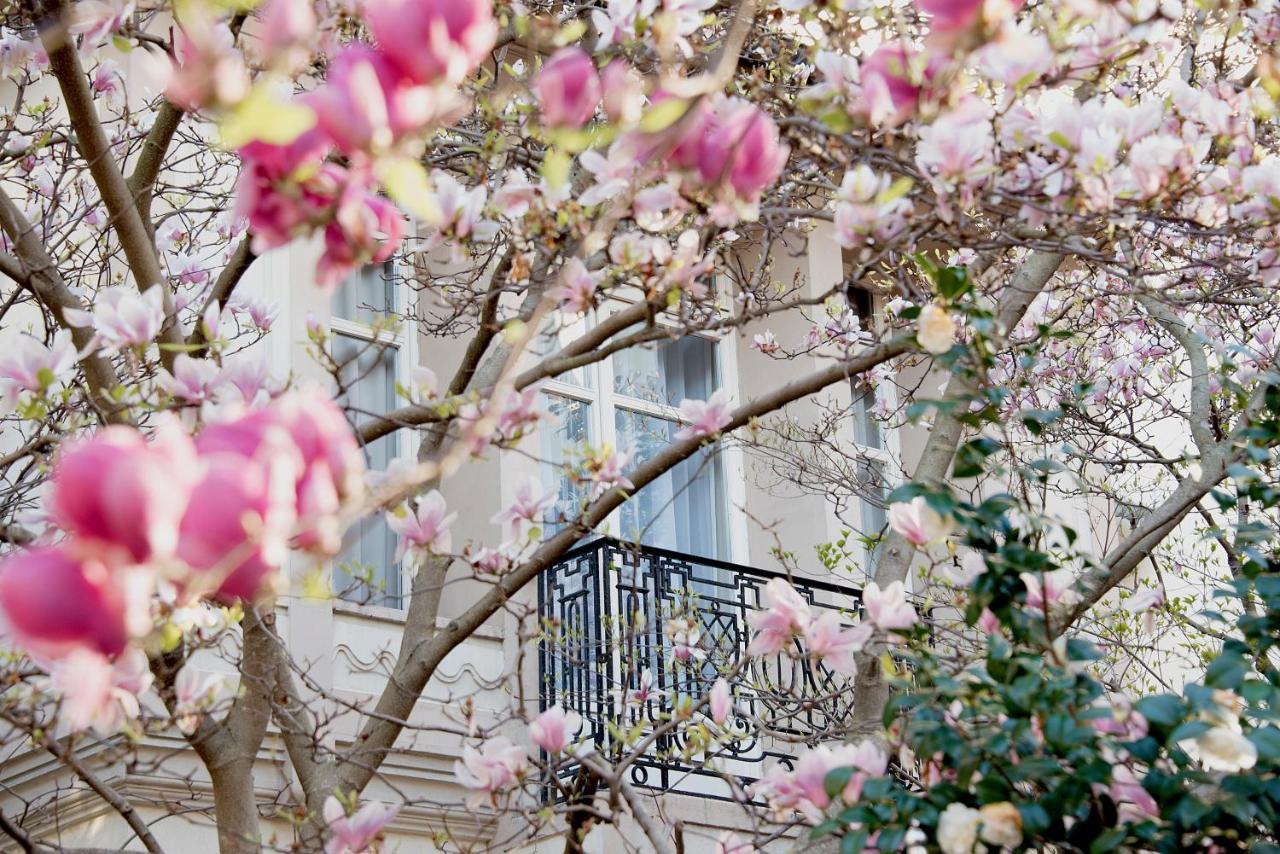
(1222, 748)
(958, 829)
(935, 329)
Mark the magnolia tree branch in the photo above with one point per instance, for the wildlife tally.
(1215, 460)
(142, 180)
(118, 802)
(42, 278)
(377, 737)
(871, 691)
(91, 140)
(1201, 414)
(223, 287)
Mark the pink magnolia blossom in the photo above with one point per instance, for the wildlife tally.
(331, 465)
(989, 622)
(606, 469)
(918, 523)
(1134, 801)
(119, 493)
(96, 20)
(433, 40)
(567, 88)
(195, 692)
(1049, 589)
(366, 229)
(192, 379)
(519, 412)
(247, 376)
(261, 312)
(210, 70)
(623, 92)
(55, 602)
(891, 83)
(554, 729)
(235, 534)
(705, 417)
(951, 17)
(365, 104)
(785, 614)
(286, 189)
(461, 210)
(96, 693)
(425, 529)
(286, 26)
(826, 639)
(578, 293)
(490, 561)
(355, 833)
(123, 317)
(645, 690)
(496, 767)
(805, 789)
(33, 365)
(720, 702)
(685, 634)
(1122, 719)
(765, 343)
(888, 609)
(743, 147)
(527, 507)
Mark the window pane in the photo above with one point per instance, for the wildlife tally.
(560, 443)
(872, 489)
(866, 429)
(667, 372)
(369, 375)
(366, 294)
(684, 509)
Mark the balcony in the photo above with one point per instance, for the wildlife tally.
(605, 609)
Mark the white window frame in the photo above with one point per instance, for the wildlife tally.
(889, 452)
(405, 343)
(604, 403)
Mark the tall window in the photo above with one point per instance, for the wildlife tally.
(366, 571)
(630, 401)
(873, 464)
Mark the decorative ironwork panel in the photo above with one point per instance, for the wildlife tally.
(632, 633)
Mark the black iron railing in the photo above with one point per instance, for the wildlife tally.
(608, 654)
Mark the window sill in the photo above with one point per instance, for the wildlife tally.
(385, 614)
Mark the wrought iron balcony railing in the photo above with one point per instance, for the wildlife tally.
(611, 654)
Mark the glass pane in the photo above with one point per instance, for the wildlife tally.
(866, 429)
(682, 510)
(667, 372)
(872, 489)
(369, 374)
(561, 443)
(366, 294)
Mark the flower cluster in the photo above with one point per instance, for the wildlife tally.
(375, 105)
(214, 516)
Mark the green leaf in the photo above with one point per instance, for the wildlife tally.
(263, 117)
(952, 282)
(895, 191)
(1267, 740)
(663, 115)
(555, 168)
(836, 780)
(409, 186)
(1164, 709)
(571, 32)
